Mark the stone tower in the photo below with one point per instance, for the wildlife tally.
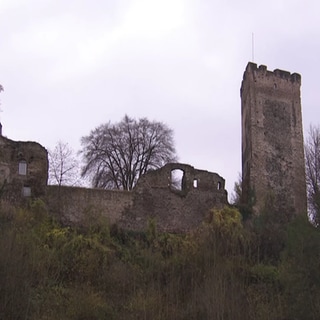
(273, 167)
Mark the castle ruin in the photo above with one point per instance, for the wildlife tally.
(174, 205)
(273, 169)
(156, 196)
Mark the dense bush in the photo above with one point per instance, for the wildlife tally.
(220, 271)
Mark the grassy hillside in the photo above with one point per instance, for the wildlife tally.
(223, 270)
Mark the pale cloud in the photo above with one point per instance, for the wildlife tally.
(73, 48)
(146, 20)
(152, 18)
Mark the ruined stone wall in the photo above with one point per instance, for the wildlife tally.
(23, 170)
(272, 140)
(154, 197)
(175, 208)
(175, 205)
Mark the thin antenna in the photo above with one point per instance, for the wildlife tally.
(252, 47)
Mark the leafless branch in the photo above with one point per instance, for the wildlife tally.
(312, 157)
(63, 165)
(116, 155)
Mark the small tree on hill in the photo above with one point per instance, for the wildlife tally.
(237, 192)
(312, 155)
(63, 165)
(116, 155)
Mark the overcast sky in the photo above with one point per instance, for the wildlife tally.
(68, 66)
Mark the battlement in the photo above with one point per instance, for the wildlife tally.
(262, 70)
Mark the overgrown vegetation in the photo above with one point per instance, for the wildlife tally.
(221, 271)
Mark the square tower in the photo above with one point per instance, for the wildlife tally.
(273, 166)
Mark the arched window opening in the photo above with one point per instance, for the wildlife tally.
(219, 185)
(195, 183)
(22, 167)
(177, 176)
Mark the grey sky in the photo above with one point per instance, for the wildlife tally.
(68, 66)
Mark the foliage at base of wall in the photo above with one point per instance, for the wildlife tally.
(219, 271)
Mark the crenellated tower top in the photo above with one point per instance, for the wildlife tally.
(264, 77)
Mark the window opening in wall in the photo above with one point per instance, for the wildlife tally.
(23, 167)
(177, 179)
(219, 185)
(26, 191)
(195, 183)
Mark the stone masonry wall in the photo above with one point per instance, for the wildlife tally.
(154, 197)
(272, 141)
(74, 205)
(175, 209)
(23, 170)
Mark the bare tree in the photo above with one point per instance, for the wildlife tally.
(116, 155)
(63, 165)
(237, 192)
(312, 154)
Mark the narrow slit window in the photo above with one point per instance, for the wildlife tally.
(23, 167)
(195, 183)
(219, 185)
